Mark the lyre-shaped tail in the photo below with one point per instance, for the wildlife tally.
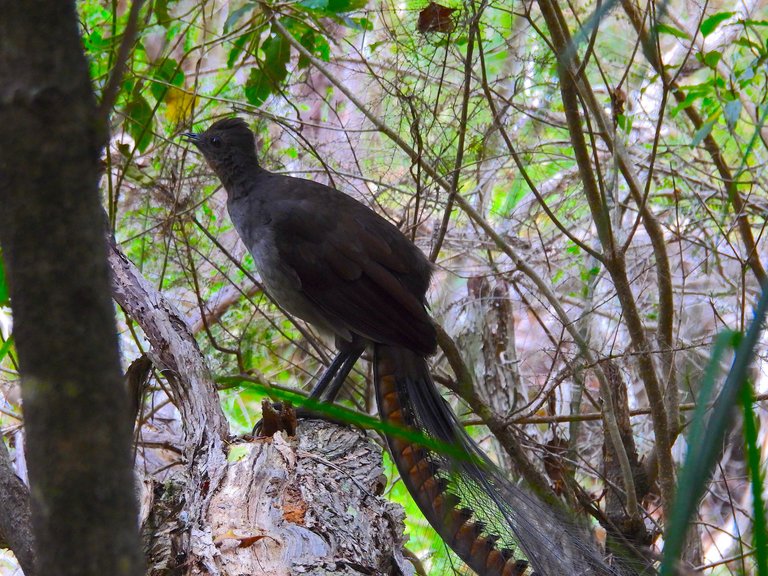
(495, 527)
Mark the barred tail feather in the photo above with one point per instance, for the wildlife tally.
(496, 527)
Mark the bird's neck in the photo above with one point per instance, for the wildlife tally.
(237, 174)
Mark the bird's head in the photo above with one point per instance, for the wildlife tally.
(228, 145)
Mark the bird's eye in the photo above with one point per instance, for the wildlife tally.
(215, 141)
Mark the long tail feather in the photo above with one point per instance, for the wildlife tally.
(495, 527)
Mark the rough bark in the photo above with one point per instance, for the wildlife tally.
(308, 505)
(302, 505)
(624, 526)
(16, 516)
(51, 231)
(175, 353)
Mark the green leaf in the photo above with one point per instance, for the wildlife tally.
(666, 29)
(690, 98)
(319, 5)
(94, 42)
(308, 41)
(333, 6)
(747, 43)
(238, 46)
(709, 25)
(710, 59)
(703, 132)
(346, 5)
(586, 275)
(161, 12)
(745, 78)
(258, 87)
(731, 112)
(759, 530)
(322, 49)
(363, 24)
(5, 298)
(265, 79)
(235, 15)
(168, 72)
(359, 24)
(625, 122)
(5, 347)
(277, 53)
(138, 120)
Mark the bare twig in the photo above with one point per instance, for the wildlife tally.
(710, 145)
(613, 260)
(112, 89)
(462, 130)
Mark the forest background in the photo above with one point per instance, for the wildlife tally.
(587, 178)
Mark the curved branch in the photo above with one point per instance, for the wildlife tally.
(615, 262)
(174, 351)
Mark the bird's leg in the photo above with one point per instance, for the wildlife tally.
(330, 372)
(336, 374)
(330, 383)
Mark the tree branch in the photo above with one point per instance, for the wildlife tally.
(16, 515)
(111, 90)
(614, 259)
(710, 145)
(174, 351)
(462, 129)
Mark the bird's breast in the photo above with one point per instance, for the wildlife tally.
(281, 281)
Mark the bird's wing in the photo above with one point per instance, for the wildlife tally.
(358, 270)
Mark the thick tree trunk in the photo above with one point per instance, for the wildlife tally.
(51, 231)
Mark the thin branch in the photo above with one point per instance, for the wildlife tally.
(465, 389)
(112, 89)
(710, 145)
(462, 129)
(613, 260)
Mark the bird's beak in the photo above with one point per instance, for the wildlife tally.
(191, 137)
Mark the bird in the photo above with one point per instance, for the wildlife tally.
(340, 266)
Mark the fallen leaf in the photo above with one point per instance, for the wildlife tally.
(436, 18)
(180, 104)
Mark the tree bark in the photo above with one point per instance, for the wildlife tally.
(15, 519)
(52, 234)
(175, 353)
(304, 505)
